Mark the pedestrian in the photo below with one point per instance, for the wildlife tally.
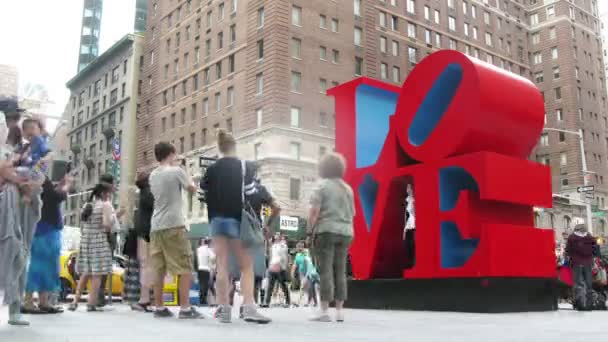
(306, 272)
(276, 274)
(331, 228)
(95, 255)
(170, 250)
(17, 220)
(580, 248)
(205, 255)
(43, 272)
(225, 184)
(111, 235)
(145, 210)
(132, 287)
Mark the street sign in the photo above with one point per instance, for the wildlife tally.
(590, 195)
(289, 223)
(116, 148)
(586, 188)
(205, 162)
(598, 214)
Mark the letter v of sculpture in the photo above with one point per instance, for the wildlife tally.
(460, 131)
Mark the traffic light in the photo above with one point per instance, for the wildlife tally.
(266, 211)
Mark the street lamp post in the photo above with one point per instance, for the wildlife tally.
(579, 133)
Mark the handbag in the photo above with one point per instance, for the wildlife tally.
(251, 227)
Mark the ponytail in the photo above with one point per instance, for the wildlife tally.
(97, 192)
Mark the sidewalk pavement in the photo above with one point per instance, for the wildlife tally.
(121, 324)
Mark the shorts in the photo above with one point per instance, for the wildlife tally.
(226, 227)
(170, 251)
(143, 255)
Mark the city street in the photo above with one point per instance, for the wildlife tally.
(120, 324)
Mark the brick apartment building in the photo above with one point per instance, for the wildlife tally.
(260, 68)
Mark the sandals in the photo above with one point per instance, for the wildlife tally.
(31, 311)
(50, 310)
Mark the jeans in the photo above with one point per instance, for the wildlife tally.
(273, 278)
(227, 227)
(204, 278)
(583, 286)
(332, 253)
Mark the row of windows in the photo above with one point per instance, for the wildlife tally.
(94, 90)
(175, 16)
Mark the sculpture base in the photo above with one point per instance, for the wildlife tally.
(484, 295)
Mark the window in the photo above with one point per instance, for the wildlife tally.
(427, 36)
(322, 21)
(358, 66)
(193, 112)
(411, 30)
(451, 3)
(294, 189)
(322, 85)
(209, 19)
(537, 58)
(437, 19)
(473, 11)
(259, 113)
(489, 39)
(206, 76)
(205, 106)
(220, 40)
(323, 119)
(475, 31)
(165, 100)
(323, 53)
(296, 45)
(358, 36)
(230, 97)
(192, 141)
(464, 7)
(113, 97)
(538, 77)
(427, 13)
(558, 93)
(382, 19)
(535, 38)
(335, 25)
(486, 18)
(233, 5)
(173, 120)
(204, 137)
(559, 114)
(218, 70)
(544, 139)
(550, 12)
(259, 84)
(452, 23)
(383, 44)
(335, 56)
(562, 137)
(231, 64)
(183, 116)
(554, 53)
(208, 48)
(437, 40)
(383, 71)
(184, 88)
(296, 15)
(178, 39)
(395, 48)
(256, 151)
(295, 116)
(396, 74)
(220, 12)
(296, 81)
(552, 33)
(261, 15)
(411, 6)
(394, 23)
(412, 55)
(556, 73)
(295, 150)
(115, 75)
(357, 7)
(229, 127)
(260, 46)
(563, 159)
(466, 29)
(232, 33)
(218, 102)
(187, 33)
(534, 19)
(163, 125)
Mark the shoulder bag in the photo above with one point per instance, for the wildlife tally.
(251, 227)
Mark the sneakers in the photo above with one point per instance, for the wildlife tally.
(321, 317)
(93, 308)
(190, 314)
(340, 316)
(251, 315)
(224, 314)
(164, 313)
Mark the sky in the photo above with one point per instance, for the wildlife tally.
(41, 38)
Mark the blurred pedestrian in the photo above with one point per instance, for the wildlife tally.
(225, 185)
(205, 255)
(580, 249)
(170, 250)
(145, 209)
(276, 274)
(95, 255)
(43, 273)
(331, 228)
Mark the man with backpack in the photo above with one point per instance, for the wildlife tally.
(581, 248)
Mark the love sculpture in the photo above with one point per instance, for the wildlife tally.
(460, 132)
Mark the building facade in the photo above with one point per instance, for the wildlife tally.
(9, 81)
(260, 68)
(102, 110)
(89, 32)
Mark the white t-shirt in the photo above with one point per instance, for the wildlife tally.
(166, 184)
(205, 258)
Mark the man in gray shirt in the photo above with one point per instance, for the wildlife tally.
(170, 250)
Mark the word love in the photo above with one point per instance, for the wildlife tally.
(459, 131)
